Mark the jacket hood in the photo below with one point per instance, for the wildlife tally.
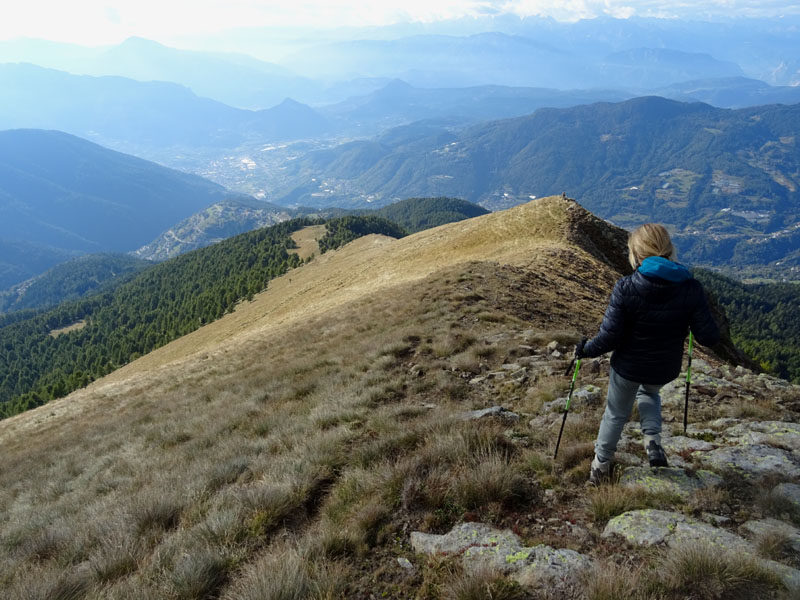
(656, 266)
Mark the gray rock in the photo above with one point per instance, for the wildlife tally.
(552, 346)
(492, 411)
(789, 491)
(586, 396)
(772, 433)
(520, 376)
(556, 354)
(405, 563)
(480, 545)
(477, 380)
(752, 461)
(649, 527)
(679, 443)
(766, 527)
(511, 366)
(668, 479)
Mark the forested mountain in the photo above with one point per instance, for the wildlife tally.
(763, 320)
(70, 280)
(721, 173)
(417, 214)
(63, 192)
(45, 355)
(142, 116)
(21, 260)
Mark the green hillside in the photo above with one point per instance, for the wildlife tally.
(70, 280)
(45, 355)
(417, 214)
(763, 320)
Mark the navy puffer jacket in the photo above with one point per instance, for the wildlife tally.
(647, 320)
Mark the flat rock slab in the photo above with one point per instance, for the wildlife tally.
(752, 460)
(650, 527)
(789, 491)
(481, 544)
(669, 479)
(680, 443)
(772, 433)
(768, 527)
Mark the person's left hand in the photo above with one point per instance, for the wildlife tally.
(579, 348)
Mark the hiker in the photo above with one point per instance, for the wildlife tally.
(646, 322)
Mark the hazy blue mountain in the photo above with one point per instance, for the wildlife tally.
(509, 60)
(730, 92)
(398, 102)
(692, 166)
(645, 68)
(141, 116)
(65, 192)
(70, 280)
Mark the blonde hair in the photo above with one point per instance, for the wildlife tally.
(647, 240)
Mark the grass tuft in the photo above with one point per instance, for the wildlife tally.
(481, 583)
(704, 572)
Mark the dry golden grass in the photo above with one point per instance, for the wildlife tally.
(317, 423)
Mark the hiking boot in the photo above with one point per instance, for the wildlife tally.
(599, 472)
(656, 455)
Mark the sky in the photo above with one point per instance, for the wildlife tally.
(97, 22)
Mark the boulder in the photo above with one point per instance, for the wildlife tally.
(771, 433)
(752, 461)
(766, 527)
(650, 527)
(483, 545)
(789, 491)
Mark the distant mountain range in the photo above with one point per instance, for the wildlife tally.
(145, 116)
(72, 196)
(692, 166)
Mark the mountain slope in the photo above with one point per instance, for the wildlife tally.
(213, 224)
(65, 192)
(299, 441)
(70, 280)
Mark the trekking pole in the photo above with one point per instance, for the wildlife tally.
(569, 397)
(688, 383)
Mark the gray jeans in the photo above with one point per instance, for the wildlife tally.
(619, 404)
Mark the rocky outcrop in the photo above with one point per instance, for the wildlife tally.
(651, 527)
(502, 550)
